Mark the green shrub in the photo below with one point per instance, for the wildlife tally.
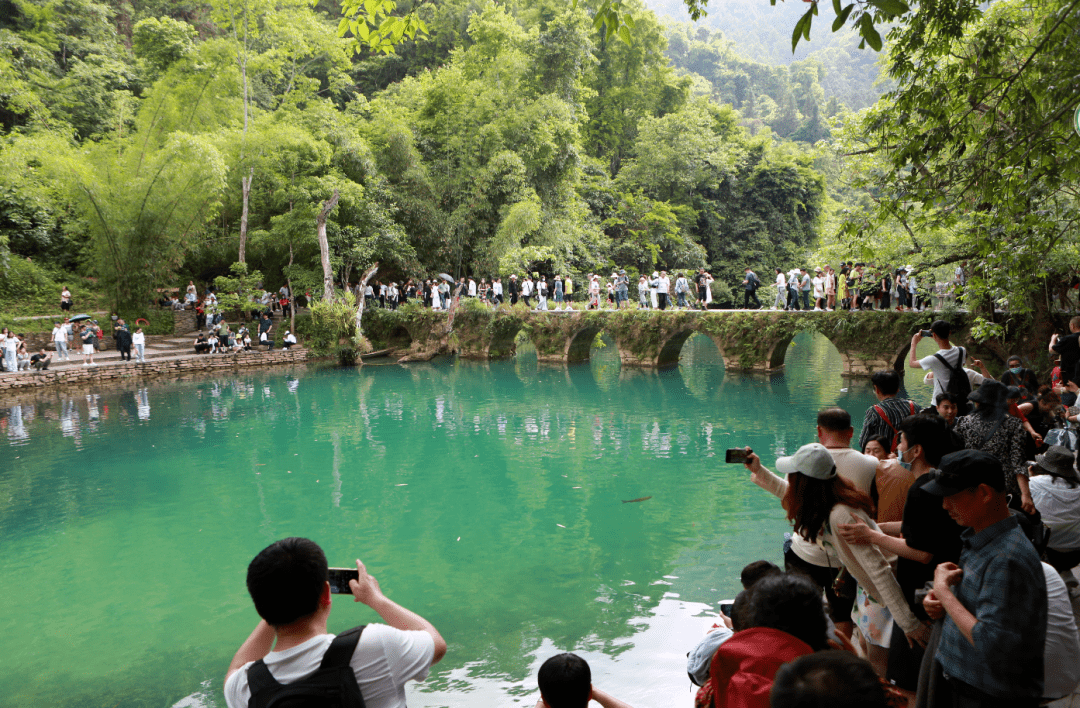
(329, 324)
(25, 280)
(29, 290)
(161, 322)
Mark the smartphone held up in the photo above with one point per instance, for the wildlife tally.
(339, 580)
(736, 455)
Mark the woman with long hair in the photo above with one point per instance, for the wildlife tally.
(817, 502)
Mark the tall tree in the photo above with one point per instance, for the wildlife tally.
(976, 140)
(324, 246)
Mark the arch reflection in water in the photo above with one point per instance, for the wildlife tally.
(487, 496)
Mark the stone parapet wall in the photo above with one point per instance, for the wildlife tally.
(92, 375)
(36, 340)
(183, 321)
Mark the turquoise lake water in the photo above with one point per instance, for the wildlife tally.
(488, 497)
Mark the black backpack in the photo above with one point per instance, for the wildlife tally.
(959, 386)
(332, 685)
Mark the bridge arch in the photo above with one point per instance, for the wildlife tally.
(579, 344)
(900, 360)
(670, 349)
(781, 351)
(774, 358)
(503, 341)
(399, 338)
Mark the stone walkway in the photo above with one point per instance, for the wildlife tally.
(168, 356)
(157, 348)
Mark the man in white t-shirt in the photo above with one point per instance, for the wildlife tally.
(60, 339)
(781, 291)
(663, 288)
(289, 583)
(953, 356)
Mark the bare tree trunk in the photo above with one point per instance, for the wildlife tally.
(292, 295)
(324, 246)
(360, 299)
(245, 183)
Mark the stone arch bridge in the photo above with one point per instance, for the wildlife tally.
(747, 341)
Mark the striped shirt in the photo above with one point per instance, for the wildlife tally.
(896, 409)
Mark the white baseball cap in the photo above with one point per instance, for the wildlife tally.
(812, 460)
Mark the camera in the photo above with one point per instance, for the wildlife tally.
(925, 333)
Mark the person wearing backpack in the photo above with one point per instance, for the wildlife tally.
(365, 666)
(947, 364)
(750, 286)
(885, 417)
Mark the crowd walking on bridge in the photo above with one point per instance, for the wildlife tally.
(850, 286)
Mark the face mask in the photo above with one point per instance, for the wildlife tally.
(1016, 370)
(905, 465)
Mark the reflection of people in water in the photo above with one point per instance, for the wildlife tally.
(144, 404)
(16, 427)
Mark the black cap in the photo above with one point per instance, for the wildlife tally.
(964, 470)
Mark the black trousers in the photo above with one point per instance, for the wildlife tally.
(823, 576)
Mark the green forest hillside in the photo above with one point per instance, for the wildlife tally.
(152, 142)
(752, 37)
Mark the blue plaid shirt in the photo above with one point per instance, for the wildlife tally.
(1004, 587)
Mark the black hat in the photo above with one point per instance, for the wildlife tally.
(964, 470)
(1058, 461)
(993, 393)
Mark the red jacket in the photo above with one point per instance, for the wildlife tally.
(743, 668)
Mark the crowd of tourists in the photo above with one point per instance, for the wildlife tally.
(219, 338)
(659, 291)
(945, 544)
(851, 286)
(932, 565)
(67, 336)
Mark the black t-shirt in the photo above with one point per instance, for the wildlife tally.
(926, 527)
(1069, 349)
(38, 357)
(701, 280)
